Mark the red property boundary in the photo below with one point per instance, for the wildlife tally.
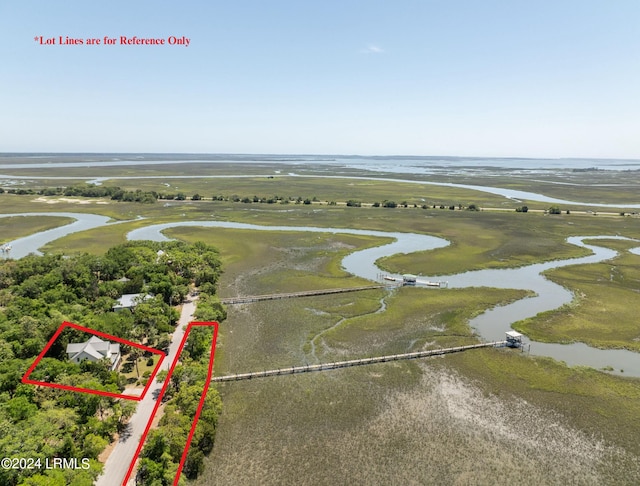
(63, 326)
(167, 380)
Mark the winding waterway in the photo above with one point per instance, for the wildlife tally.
(491, 325)
(32, 243)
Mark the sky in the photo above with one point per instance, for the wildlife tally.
(510, 78)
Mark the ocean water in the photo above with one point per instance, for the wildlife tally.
(426, 165)
(394, 164)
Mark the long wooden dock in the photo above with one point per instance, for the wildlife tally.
(354, 362)
(306, 293)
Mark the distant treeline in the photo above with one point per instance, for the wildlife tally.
(276, 199)
(89, 190)
(588, 169)
(117, 194)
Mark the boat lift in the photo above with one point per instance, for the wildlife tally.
(413, 280)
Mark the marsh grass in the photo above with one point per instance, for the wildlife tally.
(414, 319)
(288, 431)
(500, 240)
(340, 190)
(483, 417)
(158, 170)
(15, 227)
(609, 187)
(478, 239)
(400, 424)
(95, 241)
(602, 405)
(278, 262)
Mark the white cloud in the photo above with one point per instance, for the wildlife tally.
(372, 49)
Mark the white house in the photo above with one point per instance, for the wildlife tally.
(130, 301)
(94, 350)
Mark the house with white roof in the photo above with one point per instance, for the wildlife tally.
(130, 301)
(95, 349)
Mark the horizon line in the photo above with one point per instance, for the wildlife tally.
(346, 155)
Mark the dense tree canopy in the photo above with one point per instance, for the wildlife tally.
(37, 294)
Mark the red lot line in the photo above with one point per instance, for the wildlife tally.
(26, 379)
(143, 438)
(200, 404)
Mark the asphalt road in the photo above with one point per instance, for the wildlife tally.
(115, 469)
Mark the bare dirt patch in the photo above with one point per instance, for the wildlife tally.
(57, 200)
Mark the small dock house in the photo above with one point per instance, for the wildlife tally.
(514, 339)
(409, 279)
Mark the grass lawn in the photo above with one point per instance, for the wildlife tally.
(145, 368)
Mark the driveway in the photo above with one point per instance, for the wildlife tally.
(115, 469)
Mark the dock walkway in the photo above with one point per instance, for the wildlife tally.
(306, 293)
(354, 362)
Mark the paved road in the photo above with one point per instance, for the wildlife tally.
(115, 469)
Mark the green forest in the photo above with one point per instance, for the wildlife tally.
(38, 294)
